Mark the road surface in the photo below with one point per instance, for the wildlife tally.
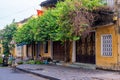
(8, 74)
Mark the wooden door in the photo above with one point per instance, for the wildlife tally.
(85, 52)
(58, 51)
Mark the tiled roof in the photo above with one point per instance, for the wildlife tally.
(49, 3)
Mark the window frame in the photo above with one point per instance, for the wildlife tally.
(46, 47)
(102, 54)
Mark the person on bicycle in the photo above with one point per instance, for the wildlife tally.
(10, 60)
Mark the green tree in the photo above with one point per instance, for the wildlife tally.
(46, 27)
(66, 22)
(62, 23)
(58, 23)
(75, 17)
(7, 36)
(25, 33)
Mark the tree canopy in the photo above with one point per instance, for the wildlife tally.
(63, 22)
(25, 33)
(67, 21)
(7, 36)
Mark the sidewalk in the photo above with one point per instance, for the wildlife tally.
(55, 72)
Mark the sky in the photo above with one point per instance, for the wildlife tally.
(17, 9)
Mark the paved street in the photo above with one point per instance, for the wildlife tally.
(8, 74)
(58, 72)
(68, 73)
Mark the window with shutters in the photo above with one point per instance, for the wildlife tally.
(106, 45)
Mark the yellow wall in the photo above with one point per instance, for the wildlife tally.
(1, 52)
(41, 50)
(30, 51)
(119, 48)
(12, 51)
(102, 61)
(49, 50)
(24, 51)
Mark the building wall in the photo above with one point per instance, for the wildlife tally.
(1, 49)
(18, 51)
(30, 51)
(43, 54)
(102, 61)
(13, 52)
(24, 51)
(119, 49)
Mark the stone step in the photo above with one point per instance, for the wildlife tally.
(83, 65)
(78, 65)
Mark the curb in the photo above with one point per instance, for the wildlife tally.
(40, 75)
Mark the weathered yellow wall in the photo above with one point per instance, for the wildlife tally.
(24, 51)
(41, 50)
(119, 49)
(49, 50)
(13, 52)
(1, 49)
(102, 61)
(30, 51)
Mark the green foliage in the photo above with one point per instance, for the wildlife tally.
(1, 60)
(67, 21)
(55, 24)
(7, 36)
(34, 62)
(20, 62)
(25, 33)
(30, 62)
(38, 62)
(64, 30)
(91, 4)
(47, 26)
